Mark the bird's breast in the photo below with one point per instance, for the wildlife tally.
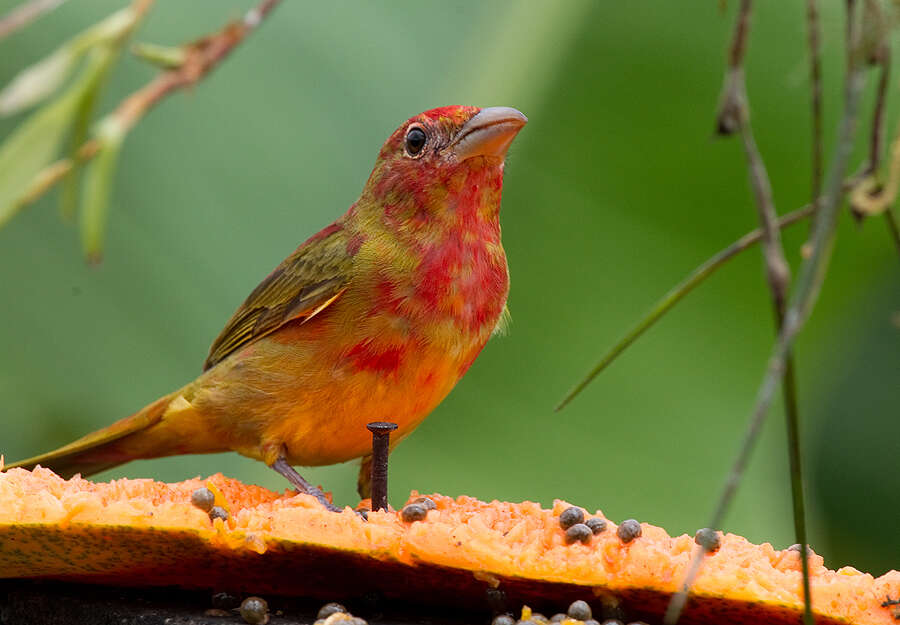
(435, 303)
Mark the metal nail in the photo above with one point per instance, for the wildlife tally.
(381, 438)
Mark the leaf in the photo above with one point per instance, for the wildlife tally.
(30, 148)
(165, 57)
(41, 80)
(35, 143)
(68, 193)
(98, 179)
(82, 122)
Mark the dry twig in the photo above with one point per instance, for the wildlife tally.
(893, 228)
(871, 195)
(815, 74)
(734, 115)
(877, 135)
(808, 284)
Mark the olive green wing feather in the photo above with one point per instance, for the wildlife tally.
(303, 285)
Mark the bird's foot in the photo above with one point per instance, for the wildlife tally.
(284, 468)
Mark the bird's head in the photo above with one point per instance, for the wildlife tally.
(452, 135)
(446, 159)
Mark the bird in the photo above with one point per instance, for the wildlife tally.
(376, 317)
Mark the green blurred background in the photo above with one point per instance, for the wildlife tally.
(613, 192)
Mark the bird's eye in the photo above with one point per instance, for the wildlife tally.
(415, 141)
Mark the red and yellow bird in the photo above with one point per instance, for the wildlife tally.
(374, 318)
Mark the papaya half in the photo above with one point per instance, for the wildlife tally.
(147, 533)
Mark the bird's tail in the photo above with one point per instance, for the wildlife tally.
(104, 448)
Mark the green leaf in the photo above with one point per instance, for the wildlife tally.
(166, 57)
(39, 81)
(30, 148)
(98, 180)
(68, 193)
(82, 122)
(36, 142)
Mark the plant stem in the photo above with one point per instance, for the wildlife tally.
(777, 271)
(892, 227)
(812, 273)
(877, 135)
(676, 294)
(815, 74)
(795, 461)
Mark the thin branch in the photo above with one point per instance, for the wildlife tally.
(878, 118)
(201, 57)
(892, 227)
(812, 272)
(815, 75)
(734, 116)
(795, 464)
(777, 271)
(877, 136)
(739, 41)
(792, 420)
(874, 194)
(676, 294)
(55, 172)
(870, 196)
(24, 14)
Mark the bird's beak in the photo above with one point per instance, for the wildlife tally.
(488, 133)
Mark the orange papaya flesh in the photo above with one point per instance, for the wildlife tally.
(146, 533)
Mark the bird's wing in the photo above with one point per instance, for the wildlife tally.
(303, 285)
